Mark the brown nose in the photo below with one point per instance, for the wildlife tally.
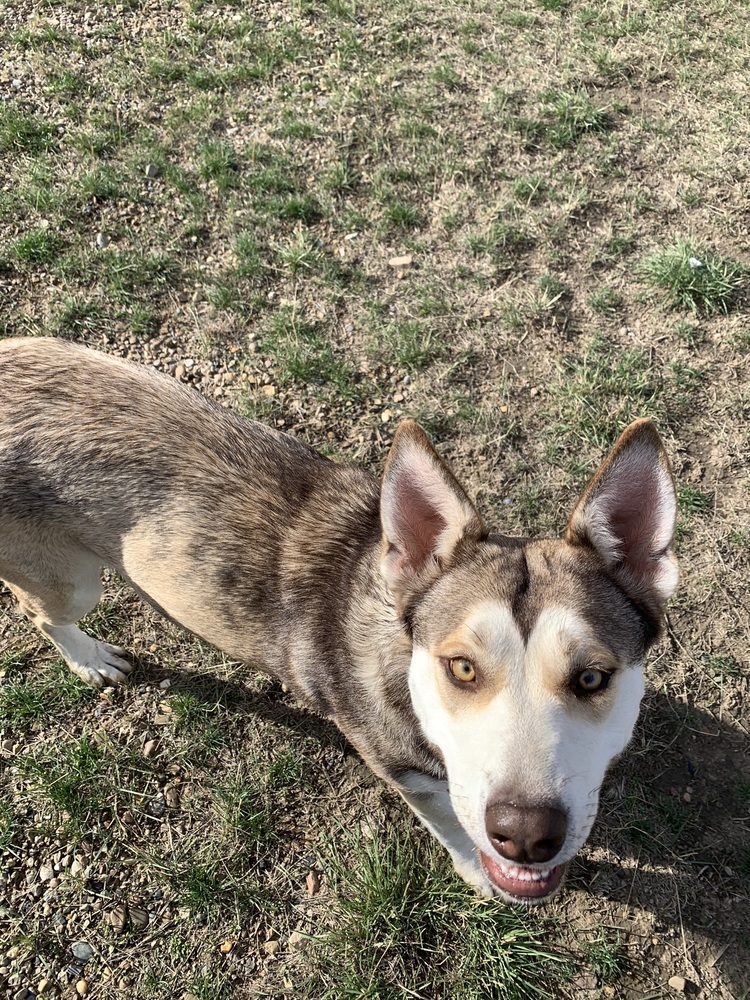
(525, 834)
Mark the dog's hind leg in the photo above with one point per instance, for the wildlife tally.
(56, 603)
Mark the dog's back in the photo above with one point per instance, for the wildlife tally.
(125, 463)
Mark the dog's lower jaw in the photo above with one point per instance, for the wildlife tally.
(519, 884)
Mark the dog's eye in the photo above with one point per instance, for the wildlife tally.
(462, 669)
(590, 681)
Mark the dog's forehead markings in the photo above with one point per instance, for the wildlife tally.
(493, 625)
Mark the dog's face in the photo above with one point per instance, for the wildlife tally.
(526, 674)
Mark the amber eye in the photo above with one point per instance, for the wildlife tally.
(462, 669)
(590, 681)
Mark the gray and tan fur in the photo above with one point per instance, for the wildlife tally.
(490, 679)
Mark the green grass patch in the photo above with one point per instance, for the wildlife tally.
(566, 116)
(606, 301)
(694, 278)
(405, 925)
(25, 133)
(607, 958)
(83, 779)
(37, 246)
(412, 345)
(302, 353)
(596, 393)
(46, 692)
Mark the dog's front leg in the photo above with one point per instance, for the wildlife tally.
(430, 799)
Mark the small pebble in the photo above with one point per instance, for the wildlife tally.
(401, 262)
(313, 884)
(149, 748)
(82, 987)
(297, 941)
(82, 951)
(117, 918)
(102, 240)
(138, 917)
(152, 171)
(271, 948)
(678, 984)
(172, 797)
(226, 947)
(43, 986)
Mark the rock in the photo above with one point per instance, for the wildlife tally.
(22, 994)
(172, 797)
(271, 948)
(180, 371)
(226, 947)
(149, 748)
(166, 684)
(297, 941)
(82, 951)
(43, 986)
(401, 262)
(138, 917)
(46, 872)
(386, 415)
(678, 983)
(269, 390)
(151, 171)
(313, 884)
(82, 987)
(118, 917)
(102, 240)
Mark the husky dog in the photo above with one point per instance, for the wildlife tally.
(491, 680)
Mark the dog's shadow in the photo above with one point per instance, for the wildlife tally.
(672, 837)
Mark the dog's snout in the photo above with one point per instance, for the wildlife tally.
(526, 834)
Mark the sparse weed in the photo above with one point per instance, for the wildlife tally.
(607, 958)
(606, 301)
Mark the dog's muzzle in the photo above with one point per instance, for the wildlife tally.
(526, 838)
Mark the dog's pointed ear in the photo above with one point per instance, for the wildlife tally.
(627, 514)
(424, 513)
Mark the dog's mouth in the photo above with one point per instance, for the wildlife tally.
(527, 885)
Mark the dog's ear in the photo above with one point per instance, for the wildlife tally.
(627, 514)
(424, 513)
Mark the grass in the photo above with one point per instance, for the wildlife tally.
(695, 279)
(400, 921)
(45, 693)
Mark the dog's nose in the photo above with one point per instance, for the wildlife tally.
(525, 834)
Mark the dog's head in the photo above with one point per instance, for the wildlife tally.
(526, 674)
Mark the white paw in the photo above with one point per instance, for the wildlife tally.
(103, 666)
